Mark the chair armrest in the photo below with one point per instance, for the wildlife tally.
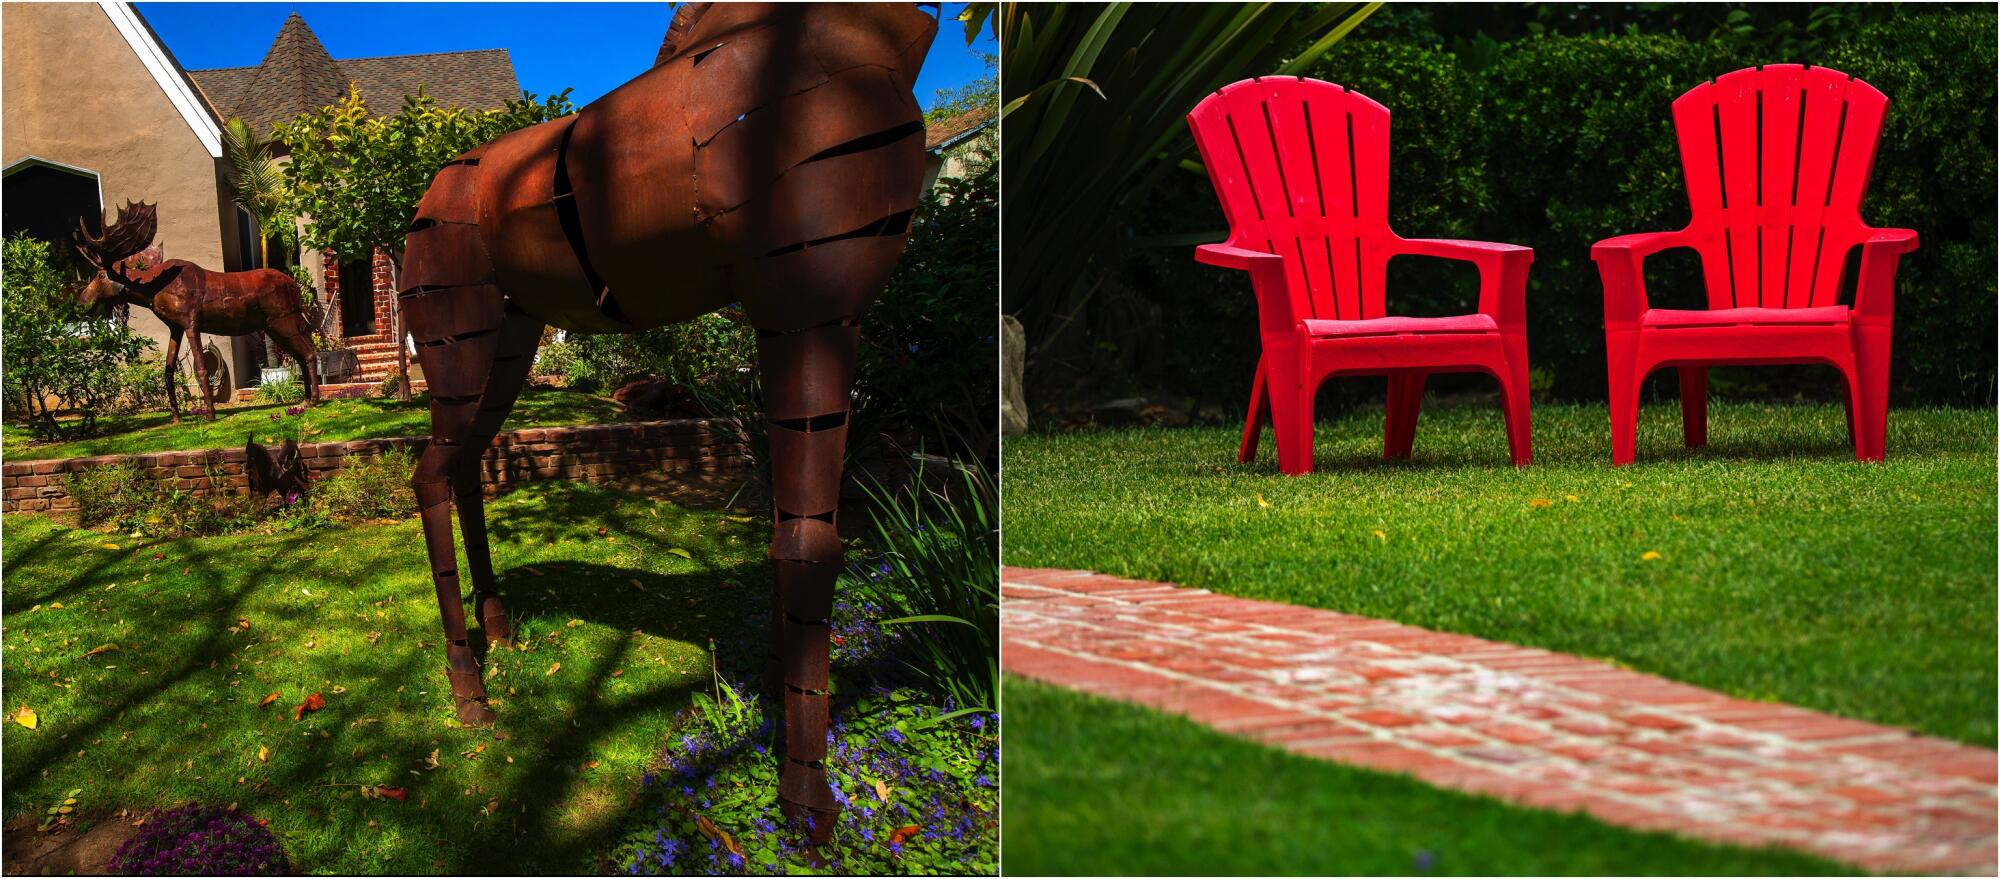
(1503, 273)
(1278, 305)
(1875, 289)
(1621, 267)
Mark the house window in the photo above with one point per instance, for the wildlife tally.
(45, 199)
(357, 298)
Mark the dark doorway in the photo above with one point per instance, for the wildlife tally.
(357, 298)
(45, 200)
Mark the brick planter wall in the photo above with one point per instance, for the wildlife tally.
(594, 453)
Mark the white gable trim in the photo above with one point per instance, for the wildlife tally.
(165, 73)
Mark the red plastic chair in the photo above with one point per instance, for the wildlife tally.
(1302, 169)
(1777, 161)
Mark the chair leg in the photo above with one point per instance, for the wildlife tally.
(1260, 405)
(1694, 406)
(1514, 394)
(1622, 390)
(1406, 399)
(1291, 413)
(1870, 395)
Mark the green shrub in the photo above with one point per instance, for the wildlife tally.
(283, 393)
(1559, 142)
(367, 487)
(143, 386)
(557, 360)
(691, 354)
(56, 351)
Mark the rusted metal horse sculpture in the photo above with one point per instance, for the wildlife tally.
(773, 156)
(190, 299)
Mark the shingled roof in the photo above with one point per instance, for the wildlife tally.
(297, 76)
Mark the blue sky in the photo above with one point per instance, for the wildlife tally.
(591, 47)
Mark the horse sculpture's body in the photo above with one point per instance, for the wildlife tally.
(191, 300)
(772, 157)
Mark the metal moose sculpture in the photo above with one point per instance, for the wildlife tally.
(773, 156)
(190, 299)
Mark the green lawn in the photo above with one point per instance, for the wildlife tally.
(617, 627)
(329, 420)
(1785, 569)
(1096, 787)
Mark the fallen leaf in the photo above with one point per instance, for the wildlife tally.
(56, 606)
(100, 649)
(313, 702)
(338, 689)
(1572, 498)
(27, 717)
(682, 553)
(111, 546)
(706, 827)
(243, 624)
(572, 624)
(902, 834)
(1262, 502)
(395, 793)
(552, 669)
(1381, 535)
(1541, 503)
(881, 791)
(730, 843)
(617, 672)
(589, 765)
(268, 700)
(492, 806)
(1650, 556)
(638, 585)
(601, 531)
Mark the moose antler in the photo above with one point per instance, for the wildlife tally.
(129, 235)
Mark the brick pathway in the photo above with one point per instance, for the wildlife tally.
(1531, 726)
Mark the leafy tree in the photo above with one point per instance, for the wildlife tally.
(358, 177)
(55, 349)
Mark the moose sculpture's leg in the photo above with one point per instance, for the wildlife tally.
(173, 366)
(519, 336)
(807, 374)
(200, 370)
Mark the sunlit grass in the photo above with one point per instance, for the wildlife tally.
(1785, 569)
(616, 629)
(364, 418)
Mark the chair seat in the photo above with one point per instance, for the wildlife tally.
(1390, 326)
(1668, 318)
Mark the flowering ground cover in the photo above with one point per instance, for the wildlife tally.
(1769, 565)
(920, 788)
(327, 421)
(147, 664)
(1096, 787)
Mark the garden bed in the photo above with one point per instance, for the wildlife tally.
(1769, 565)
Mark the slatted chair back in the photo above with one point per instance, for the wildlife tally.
(1777, 160)
(1302, 169)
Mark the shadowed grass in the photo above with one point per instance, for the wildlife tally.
(327, 421)
(1096, 787)
(615, 626)
(1785, 569)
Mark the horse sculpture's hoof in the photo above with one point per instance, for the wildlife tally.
(475, 712)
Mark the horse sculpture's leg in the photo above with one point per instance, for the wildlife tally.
(807, 375)
(173, 366)
(293, 334)
(519, 336)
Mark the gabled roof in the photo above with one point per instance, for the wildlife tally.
(298, 76)
(950, 131)
(167, 73)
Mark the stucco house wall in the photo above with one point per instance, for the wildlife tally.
(79, 94)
